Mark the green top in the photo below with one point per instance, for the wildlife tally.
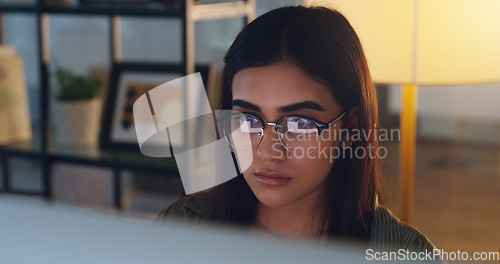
(388, 232)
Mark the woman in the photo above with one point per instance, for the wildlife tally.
(301, 71)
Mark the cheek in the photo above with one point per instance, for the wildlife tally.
(316, 168)
(319, 162)
(330, 146)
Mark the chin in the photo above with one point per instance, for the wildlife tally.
(273, 198)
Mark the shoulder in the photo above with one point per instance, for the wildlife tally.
(388, 232)
(196, 207)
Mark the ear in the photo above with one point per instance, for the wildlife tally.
(351, 123)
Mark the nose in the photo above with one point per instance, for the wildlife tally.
(270, 148)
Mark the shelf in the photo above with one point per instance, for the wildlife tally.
(26, 150)
(92, 156)
(17, 7)
(20, 192)
(29, 149)
(149, 9)
(115, 159)
(134, 9)
(199, 12)
(40, 148)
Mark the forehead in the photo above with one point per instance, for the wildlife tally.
(280, 84)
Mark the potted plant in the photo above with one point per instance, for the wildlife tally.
(76, 108)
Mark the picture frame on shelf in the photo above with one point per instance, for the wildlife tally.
(128, 82)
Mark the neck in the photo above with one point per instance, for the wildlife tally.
(300, 219)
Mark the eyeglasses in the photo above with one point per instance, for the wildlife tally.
(244, 131)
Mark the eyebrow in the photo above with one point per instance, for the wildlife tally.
(245, 104)
(283, 109)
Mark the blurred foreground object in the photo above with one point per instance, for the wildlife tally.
(15, 125)
(34, 233)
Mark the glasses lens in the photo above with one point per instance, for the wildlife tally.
(243, 131)
(298, 134)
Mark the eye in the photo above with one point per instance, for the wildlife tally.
(246, 123)
(299, 125)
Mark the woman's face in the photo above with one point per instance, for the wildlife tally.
(279, 178)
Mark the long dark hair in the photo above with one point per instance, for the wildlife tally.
(323, 44)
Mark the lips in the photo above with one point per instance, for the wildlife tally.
(272, 178)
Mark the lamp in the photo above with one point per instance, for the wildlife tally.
(424, 42)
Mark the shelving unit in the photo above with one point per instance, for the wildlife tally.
(40, 148)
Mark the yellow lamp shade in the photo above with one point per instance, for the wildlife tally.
(427, 41)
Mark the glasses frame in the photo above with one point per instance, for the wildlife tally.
(319, 125)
